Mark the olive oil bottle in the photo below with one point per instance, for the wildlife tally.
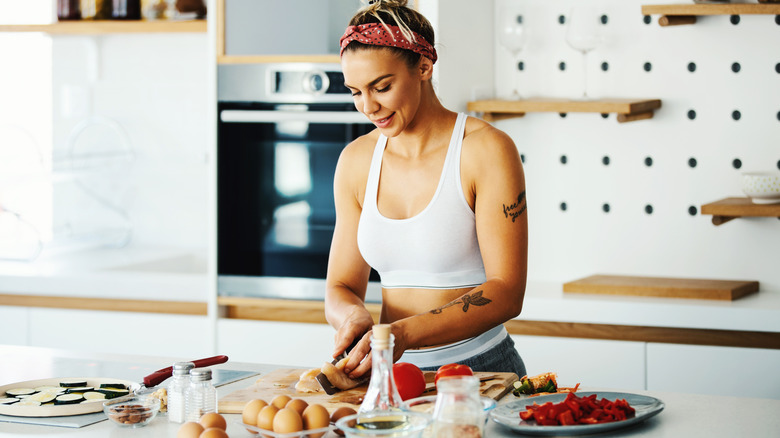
(382, 394)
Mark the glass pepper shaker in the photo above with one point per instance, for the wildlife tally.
(201, 395)
(458, 410)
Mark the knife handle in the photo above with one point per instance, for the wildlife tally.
(159, 376)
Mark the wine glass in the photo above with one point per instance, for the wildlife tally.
(583, 34)
(512, 35)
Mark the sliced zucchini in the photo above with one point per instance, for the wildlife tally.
(16, 392)
(73, 383)
(94, 395)
(79, 389)
(43, 397)
(56, 389)
(28, 403)
(113, 385)
(8, 401)
(68, 399)
(113, 392)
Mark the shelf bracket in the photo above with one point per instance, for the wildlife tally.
(495, 117)
(720, 220)
(631, 117)
(676, 20)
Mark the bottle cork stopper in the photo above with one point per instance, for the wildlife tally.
(382, 332)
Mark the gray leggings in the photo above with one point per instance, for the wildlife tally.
(501, 358)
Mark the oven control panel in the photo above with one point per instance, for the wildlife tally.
(288, 82)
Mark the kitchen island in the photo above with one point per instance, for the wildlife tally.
(685, 415)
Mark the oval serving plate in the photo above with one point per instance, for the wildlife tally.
(508, 414)
(52, 410)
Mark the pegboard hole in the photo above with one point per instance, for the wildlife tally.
(647, 66)
(737, 163)
(692, 162)
(604, 19)
(647, 19)
(691, 67)
(736, 115)
(778, 164)
(564, 159)
(605, 160)
(691, 114)
(692, 210)
(605, 208)
(777, 67)
(604, 66)
(735, 67)
(522, 158)
(563, 206)
(604, 115)
(648, 161)
(649, 209)
(562, 115)
(521, 65)
(734, 19)
(562, 66)
(561, 19)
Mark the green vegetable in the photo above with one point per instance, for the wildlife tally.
(523, 386)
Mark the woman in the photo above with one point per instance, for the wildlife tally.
(431, 199)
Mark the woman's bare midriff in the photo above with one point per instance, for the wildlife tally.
(401, 303)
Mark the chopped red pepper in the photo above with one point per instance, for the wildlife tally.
(578, 410)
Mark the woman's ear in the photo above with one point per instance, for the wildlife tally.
(425, 68)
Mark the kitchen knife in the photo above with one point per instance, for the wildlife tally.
(323, 380)
(159, 376)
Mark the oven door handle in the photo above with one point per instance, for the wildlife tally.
(260, 116)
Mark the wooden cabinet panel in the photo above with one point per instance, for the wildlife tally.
(732, 371)
(590, 362)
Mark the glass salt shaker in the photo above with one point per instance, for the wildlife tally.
(201, 395)
(176, 388)
(458, 410)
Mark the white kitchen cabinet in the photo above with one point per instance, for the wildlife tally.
(590, 362)
(744, 372)
(15, 323)
(298, 344)
(120, 332)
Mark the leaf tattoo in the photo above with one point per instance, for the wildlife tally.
(475, 299)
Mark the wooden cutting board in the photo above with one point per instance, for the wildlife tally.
(282, 382)
(662, 287)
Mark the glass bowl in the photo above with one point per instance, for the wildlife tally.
(401, 424)
(132, 411)
(426, 404)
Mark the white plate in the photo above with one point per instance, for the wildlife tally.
(508, 414)
(52, 410)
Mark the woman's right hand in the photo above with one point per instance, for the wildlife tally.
(354, 330)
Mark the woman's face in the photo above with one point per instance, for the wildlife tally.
(383, 87)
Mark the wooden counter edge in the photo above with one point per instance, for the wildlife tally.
(105, 304)
(304, 311)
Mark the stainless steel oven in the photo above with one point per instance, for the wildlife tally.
(281, 129)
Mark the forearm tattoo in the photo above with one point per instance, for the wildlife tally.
(516, 209)
(475, 299)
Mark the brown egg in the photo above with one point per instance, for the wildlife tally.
(189, 430)
(315, 417)
(251, 409)
(213, 432)
(287, 420)
(265, 418)
(298, 405)
(340, 413)
(280, 401)
(213, 419)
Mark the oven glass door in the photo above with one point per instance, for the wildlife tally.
(275, 207)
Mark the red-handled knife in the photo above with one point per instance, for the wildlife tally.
(159, 376)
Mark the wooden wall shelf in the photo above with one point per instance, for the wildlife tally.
(92, 27)
(677, 14)
(627, 110)
(731, 208)
(259, 59)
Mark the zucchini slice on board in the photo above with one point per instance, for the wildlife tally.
(113, 385)
(68, 399)
(94, 395)
(28, 403)
(73, 383)
(57, 389)
(78, 389)
(43, 397)
(16, 392)
(8, 401)
(113, 392)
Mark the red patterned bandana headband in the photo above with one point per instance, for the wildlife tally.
(377, 34)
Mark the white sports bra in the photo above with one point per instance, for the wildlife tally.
(437, 248)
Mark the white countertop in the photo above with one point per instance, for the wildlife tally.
(177, 274)
(685, 415)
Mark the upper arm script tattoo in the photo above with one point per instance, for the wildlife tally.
(475, 299)
(516, 209)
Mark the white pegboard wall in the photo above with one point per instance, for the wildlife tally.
(712, 68)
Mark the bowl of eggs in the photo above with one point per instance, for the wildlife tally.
(762, 187)
(286, 417)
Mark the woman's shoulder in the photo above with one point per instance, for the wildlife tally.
(360, 149)
(481, 139)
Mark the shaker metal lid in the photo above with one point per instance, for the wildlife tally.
(181, 368)
(200, 374)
